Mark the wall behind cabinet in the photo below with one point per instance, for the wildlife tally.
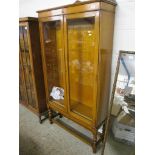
(124, 29)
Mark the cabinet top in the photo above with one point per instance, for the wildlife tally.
(112, 2)
(27, 19)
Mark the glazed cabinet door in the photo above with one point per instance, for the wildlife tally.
(26, 66)
(82, 34)
(22, 86)
(53, 58)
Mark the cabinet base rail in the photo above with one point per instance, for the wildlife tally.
(55, 117)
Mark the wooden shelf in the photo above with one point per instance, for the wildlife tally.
(60, 102)
(82, 110)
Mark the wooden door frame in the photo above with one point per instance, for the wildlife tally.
(32, 67)
(41, 22)
(21, 59)
(94, 14)
(26, 24)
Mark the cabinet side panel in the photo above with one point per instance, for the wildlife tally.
(105, 55)
(37, 64)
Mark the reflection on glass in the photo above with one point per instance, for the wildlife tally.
(54, 56)
(123, 104)
(81, 48)
(126, 75)
(125, 85)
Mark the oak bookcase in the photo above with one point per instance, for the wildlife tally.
(76, 43)
(31, 81)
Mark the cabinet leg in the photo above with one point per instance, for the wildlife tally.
(103, 132)
(60, 116)
(40, 121)
(94, 142)
(50, 116)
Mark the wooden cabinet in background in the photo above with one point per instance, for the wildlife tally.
(31, 81)
(76, 52)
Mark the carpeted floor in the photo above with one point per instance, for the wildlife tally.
(47, 139)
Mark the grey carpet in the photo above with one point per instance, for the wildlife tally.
(47, 139)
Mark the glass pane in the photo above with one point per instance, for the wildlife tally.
(122, 122)
(23, 38)
(81, 48)
(22, 90)
(54, 60)
(125, 85)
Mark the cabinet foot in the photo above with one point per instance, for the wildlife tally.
(50, 116)
(43, 117)
(51, 122)
(103, 132)
(40, 121)
(94, 144)
(94, 149)
(60, 115)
